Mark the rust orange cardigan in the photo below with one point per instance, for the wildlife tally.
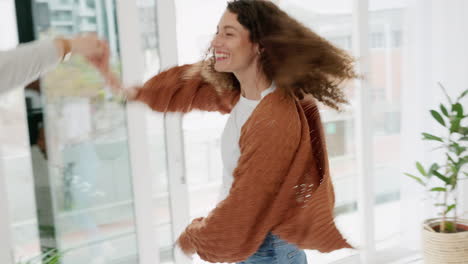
(282, 182)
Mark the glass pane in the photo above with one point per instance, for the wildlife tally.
(333, 21)
(386, 29)
(202, 130)
(15, 159)
(147, 11)
(203, 160)
(16, 162)
(79, 145)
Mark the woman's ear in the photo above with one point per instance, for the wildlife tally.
(259, 48)
(256, 48)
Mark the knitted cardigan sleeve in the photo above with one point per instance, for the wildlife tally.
(185, 88)
(237, 226)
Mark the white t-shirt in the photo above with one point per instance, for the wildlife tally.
(230, 151)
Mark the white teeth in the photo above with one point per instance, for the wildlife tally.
(221, 56)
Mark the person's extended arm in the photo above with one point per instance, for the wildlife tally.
(28, 61)
(179, 89)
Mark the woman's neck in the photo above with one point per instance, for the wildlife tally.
(252, 83)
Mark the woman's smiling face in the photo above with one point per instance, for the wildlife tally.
(232, 47)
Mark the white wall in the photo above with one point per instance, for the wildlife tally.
(436, 42)
(450, 60)
(195, 30)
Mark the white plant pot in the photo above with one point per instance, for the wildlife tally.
(445, 248)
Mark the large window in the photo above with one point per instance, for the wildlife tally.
(67, 160)
(202, 130)
(16, 171)
(155, 134)
(75, 162)
(386, 63)
(333, 21)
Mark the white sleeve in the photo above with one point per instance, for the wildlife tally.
(26, 63)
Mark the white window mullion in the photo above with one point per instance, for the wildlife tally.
(178, 190)
(364, 132)
(9, 39)
(132, 70)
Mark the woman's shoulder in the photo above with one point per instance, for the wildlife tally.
(277, 116)
(280, 107)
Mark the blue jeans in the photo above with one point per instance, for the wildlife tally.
(276, 251)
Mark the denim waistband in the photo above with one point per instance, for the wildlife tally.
(272, 241)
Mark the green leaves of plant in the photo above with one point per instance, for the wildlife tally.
(455, 124)
(446, 180)
(438, 117)
(462, 95)
(427, 174)
(421, 169)
(416, 179)
(51, 256)
(458, 108)
(444, 110)
(428, 136)
(450, 227)
(434, 167)
(452, 117)
(457, 149)
(438, 189)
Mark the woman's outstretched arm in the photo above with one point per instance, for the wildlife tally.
(183, 89)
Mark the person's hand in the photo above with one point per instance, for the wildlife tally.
(101, 61)
(95, 50)
(182, 244)
(131, 93)
(89, 46)
(102, 65)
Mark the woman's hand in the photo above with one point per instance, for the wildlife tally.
(185, 246)
(101, 63)
(184, 243)
(98, 54)
(129, 93)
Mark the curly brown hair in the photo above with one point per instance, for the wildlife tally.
(296, 58)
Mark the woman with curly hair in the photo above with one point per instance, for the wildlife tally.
(267, 71)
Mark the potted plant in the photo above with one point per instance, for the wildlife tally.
(51, 256)
(445, 239)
